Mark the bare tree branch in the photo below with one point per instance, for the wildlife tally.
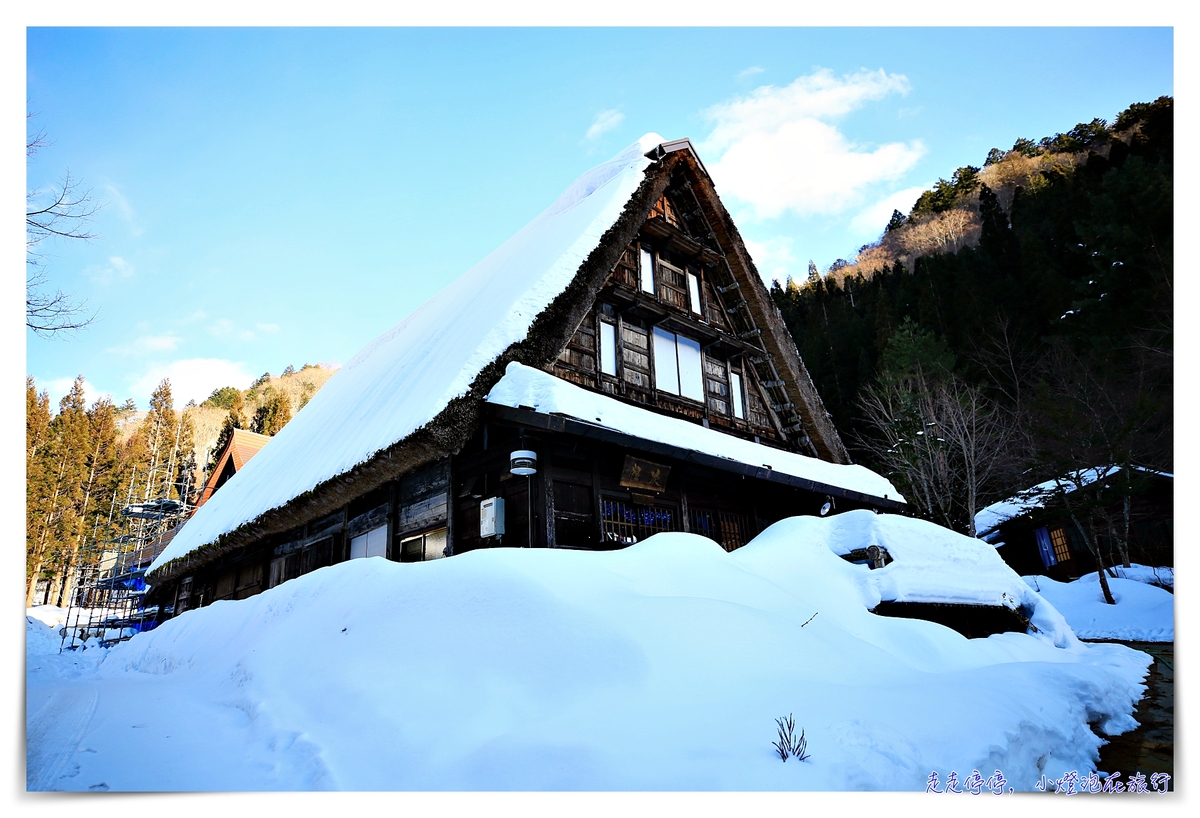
(66, 215)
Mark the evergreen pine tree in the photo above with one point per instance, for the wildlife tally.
(61, 517)
(273, 415)
(813, 274)
(234, 420)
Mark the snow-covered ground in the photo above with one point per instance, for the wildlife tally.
(1143, 613)
(659, 667)
(1163, 576)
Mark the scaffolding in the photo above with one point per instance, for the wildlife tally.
(106, 604)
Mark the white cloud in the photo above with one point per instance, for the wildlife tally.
(117, 268)
(59, 387)
(774, 259)
(605, 121)
(115, 197)
(191, 379)
(746, 73)
(872, 220)
(777, 152)
(148, 344)
(224, 328)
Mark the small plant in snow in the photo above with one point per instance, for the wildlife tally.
(789, 744)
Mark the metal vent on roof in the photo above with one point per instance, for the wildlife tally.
(663, 148)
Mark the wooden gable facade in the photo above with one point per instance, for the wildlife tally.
(669, 315)
(241, 446)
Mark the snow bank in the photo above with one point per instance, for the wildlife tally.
(1143, 613)
(1151, 575)
(525, 386)
(42, 624)
(403, 378)
(931, 563)
(659, 667)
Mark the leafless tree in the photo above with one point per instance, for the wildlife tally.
(943, 438)
(65, 214)
(1101, 420)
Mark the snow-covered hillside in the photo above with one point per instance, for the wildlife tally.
(659, 667)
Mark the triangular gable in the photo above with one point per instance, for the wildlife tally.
(689, 218)
(241, 446)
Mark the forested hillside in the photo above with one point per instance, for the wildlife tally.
(84, 463)
(1016, 325)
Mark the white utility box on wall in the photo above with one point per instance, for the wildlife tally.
(491, 517)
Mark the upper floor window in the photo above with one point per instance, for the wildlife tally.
(678, 367)
(646, 270)
(693, 281)
(735, 393)
(608, 348)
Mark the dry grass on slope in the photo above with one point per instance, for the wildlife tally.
(959, 227)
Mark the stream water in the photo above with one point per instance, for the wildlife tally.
(1151, 747)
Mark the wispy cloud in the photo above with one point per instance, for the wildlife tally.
(604, 122)
(778, 151)
(116, 269)
(114, 197)
(148, 345)
(224, 329)
(191, 379)
(746, 73)
(871, 220)
(774, 258)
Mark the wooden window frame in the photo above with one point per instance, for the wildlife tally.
(1060, 544)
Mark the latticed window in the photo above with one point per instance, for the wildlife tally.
(626, 523)
(1058, 538)
(730, 529)
(672, 285)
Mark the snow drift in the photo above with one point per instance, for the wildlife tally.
(659, 667)
(1143, 613)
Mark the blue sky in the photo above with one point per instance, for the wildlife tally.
(282, 196)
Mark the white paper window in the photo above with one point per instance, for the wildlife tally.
(646, 271)
(735, 391)
(431, 546)
(435, 544)
(691, 370)
(694, 292)
(666, 364)
(608, 348)
(371, 544)
(677, 365)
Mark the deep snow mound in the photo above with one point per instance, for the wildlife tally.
(662, 666)
(1142, 613)
(42, 624)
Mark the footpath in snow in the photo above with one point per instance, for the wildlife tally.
(659, 667)
(1142, 613)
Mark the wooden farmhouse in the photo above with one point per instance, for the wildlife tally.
(1037, 536)
(615, 369)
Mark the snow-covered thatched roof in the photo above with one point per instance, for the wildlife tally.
(415, 392)
(988, 519)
